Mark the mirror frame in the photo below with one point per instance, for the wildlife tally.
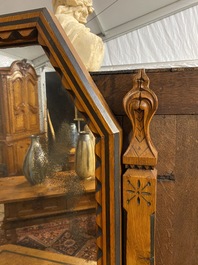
(40, 27)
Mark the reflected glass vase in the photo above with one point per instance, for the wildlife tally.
(85, 156)
(35, 162)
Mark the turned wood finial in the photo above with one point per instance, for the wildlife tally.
(140, 104)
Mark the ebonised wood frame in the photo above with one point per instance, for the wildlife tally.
(40, 27)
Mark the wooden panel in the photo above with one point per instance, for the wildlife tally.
(185, 238)
(177, 215)
(19, 212)
(171, 87)
(163, 134)
(164, 223)
(34, 208)
(12, 155)
(82, 202)
(32, 103)
(176, 139)
(16, 104)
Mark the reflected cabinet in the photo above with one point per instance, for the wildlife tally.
(19, 114)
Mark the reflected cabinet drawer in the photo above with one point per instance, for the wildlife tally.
(46, 206)
(35, 208)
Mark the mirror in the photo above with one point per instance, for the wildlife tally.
(40, 27)
(69, 147)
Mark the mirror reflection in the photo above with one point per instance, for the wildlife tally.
(47, 163)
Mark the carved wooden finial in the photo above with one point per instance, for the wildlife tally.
(140, 104)
(23, 67)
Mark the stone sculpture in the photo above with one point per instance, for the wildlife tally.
(72, 15)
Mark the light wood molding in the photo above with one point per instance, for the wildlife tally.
(139, 203)
(12, 254)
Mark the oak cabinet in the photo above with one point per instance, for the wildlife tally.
(19, 114)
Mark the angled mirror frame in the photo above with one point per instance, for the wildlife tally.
(40, 27)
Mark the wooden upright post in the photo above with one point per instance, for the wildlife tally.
(139, 180)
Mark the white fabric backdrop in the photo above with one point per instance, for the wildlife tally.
(170, 42)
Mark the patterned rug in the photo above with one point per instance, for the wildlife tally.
(74, 236)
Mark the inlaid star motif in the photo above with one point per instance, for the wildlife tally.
(138, 192)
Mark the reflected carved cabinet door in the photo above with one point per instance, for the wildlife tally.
(19, 114)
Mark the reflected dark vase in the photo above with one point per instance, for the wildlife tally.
(85, 156)
(35, 162)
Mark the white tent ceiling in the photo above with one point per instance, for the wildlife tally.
(112, 17)
(128, 28)
(116, 17)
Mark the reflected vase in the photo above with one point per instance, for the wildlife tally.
(85, 156)
(35, 162)
(73, 135)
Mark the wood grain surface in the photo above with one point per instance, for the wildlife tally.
(172, 86)
(174, 133)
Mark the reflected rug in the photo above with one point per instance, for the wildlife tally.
(74, 236)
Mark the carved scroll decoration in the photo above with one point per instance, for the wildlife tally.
(140, 104)
(23, 66)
